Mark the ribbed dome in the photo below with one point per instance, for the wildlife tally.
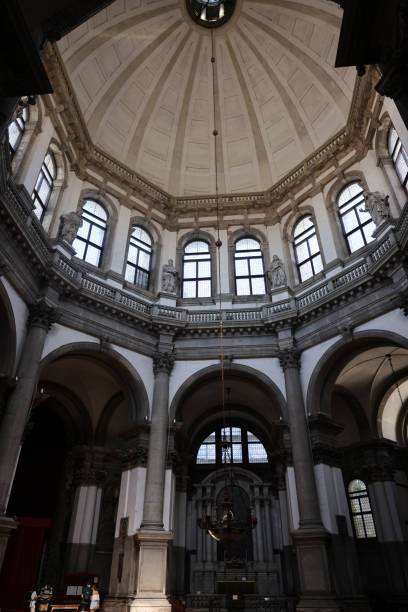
(141, 71)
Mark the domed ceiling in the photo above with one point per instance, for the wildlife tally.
(142, 75)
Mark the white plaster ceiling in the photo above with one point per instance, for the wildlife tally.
(141, 72)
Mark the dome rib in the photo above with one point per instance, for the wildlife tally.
(116, 86)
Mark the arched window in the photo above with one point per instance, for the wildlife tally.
(249, 267)
(231, 445)
(44, 185)
(307, 252)
(196, 270)
(399, 156)
(357, 224)
(139, 257)
(16, 129)
(90, 237)
(360, 507)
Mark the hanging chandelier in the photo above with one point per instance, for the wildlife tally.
(225, 527)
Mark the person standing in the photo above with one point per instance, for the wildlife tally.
(95, 599)
(45, 596)
(86, 597)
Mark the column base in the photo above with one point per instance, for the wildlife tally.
(151, 567)
(150, 605)
(7, 526)
(314, 571)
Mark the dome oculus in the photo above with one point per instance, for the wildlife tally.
(210, 13)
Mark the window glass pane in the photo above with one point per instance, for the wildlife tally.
(38, 210)
(301, 252)
(92, 255)
(317, 264)
(305, 271)
(198, 246)
(97, 234)
(79, 247)
(96, 209)
(402, 168)
(226, 433)
(144, 260)
(355, 505)
(204, 288)
(313, 245)
(355, 241)
(210, 438)
(256, 266)
(365, 504)
(129, 274)
(251, 437)
(392, 139)
(257, 453)
(206, 453)
(350, 221)
(13, 134)
(349, 192)
(369, 525)
(189, 270)
(141, 278)
(357, 485)
(204, 269)
(139, 233)
(243, 286)
(132, 254)
(237, 453)
(50, 164)
(368, 231)
(246, 244)
(241, 267)
(302, 226)
(258, 286)
(359, 526)
(84, 229)
(236, 434)
(44, 192)
(189, 289)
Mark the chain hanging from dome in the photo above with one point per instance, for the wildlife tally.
(225, 527)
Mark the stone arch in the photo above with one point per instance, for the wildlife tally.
(32, 128)
(209, 372)
(134, 389)
(324, 375)
(7, 334)
(54, 147)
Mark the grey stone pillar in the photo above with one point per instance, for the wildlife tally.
(19, 404)
(310, 539)
(156, 463)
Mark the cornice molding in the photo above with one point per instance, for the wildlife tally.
(338, 153)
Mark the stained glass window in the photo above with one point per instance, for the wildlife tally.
(360, 507)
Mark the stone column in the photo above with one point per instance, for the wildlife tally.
(310, 539)
(151, 539)
(17, 411)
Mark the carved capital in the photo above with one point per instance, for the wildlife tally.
(162, 362)
(289, 358)
(132, 457)
(41, 315)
